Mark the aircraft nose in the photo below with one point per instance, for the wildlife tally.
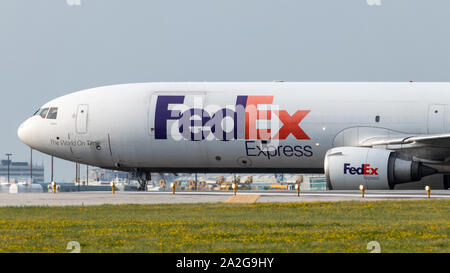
(24, 132)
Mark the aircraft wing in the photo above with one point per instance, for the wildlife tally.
(433, 140)
(432, 148)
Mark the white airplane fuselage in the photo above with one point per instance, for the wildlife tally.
(231, 127)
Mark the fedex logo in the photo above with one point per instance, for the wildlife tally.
(244, 120)
(365, 169)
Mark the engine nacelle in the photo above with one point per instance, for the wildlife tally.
(346, 168)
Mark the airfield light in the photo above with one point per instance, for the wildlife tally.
(297, 187)
(54, 186)
(361, 187)
(428, 189)
(234, 186)
(172, 185)
(113, 187)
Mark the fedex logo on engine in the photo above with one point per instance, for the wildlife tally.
(240, 121)
(365, 169)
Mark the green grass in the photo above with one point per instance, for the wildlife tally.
(399, 226)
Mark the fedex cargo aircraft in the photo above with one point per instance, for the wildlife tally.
(376, 134)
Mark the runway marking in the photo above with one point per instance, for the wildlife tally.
(243, 198)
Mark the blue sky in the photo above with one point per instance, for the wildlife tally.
(49, 48)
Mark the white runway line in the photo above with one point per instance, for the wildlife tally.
(366, 195)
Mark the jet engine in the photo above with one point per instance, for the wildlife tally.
(346, 168)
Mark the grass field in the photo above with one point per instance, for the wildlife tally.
(398, 226)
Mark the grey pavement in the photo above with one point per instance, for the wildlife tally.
(124, 197)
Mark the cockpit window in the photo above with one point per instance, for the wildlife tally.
(52, 113)
(37, 112)
(44, 112)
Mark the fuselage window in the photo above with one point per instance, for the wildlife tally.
(44, 112)
(52, 113)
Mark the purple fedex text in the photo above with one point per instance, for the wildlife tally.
(163, 114)
(210, 123)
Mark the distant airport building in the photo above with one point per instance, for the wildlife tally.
(259, 181)
(104, 175)
(20, 172)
